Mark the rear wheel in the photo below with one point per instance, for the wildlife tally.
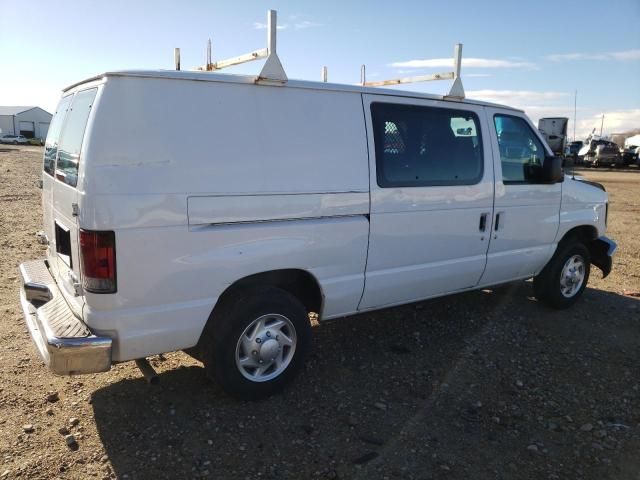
(565, 277)
(256, 343)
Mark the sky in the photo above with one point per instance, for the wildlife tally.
(532, 55)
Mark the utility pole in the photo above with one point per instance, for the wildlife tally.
(575, 116)
(601, 124)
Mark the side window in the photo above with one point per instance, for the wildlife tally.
(72, 135)
(51, 145)
(426, 146)
(521, 152)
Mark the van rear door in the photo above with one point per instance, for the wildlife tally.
(65, 252)
(48, 177)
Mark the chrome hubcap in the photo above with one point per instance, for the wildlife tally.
(266, 347)
(572, 276)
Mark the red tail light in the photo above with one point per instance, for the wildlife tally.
(98, 255)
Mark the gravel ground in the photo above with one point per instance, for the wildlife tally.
(483, 385)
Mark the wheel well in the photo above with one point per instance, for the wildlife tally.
(583, 233)
(299, 283)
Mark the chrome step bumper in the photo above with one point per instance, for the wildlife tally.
(64, 342)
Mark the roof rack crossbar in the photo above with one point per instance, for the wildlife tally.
(272, 70)
(456, 91)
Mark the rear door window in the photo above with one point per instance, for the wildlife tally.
(419, 146)
(72, 135)
(51, 145)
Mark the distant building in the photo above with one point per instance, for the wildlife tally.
(631, 137)
(32, 122)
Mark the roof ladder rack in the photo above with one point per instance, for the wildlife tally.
(455, 92)
(272, 71)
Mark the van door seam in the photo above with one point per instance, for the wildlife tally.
(493, 187)
(366, 259)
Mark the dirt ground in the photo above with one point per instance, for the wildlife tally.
(482, 385)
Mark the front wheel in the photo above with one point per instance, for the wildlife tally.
(256, 343)
(565, 277)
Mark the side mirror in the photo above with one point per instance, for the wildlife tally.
(552, 170)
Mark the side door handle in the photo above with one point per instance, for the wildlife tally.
(498, 224)
(483, 222)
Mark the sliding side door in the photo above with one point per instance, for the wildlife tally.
(431, 198)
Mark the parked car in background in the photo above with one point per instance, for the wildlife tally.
(572, 150)
(629, 155)
(630, 150)
(602, 152)
(14, 139)
(36, 141)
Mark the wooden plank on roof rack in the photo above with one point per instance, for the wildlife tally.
(420, 78)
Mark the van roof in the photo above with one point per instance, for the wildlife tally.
(250, 79)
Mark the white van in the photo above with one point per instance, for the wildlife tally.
(213, 213)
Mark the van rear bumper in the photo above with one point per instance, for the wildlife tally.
(64, 342)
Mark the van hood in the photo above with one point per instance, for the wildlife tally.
(589, 182)
(581, 190)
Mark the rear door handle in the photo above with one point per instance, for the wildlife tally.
(498, 217)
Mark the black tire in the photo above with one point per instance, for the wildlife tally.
(221, 337)
(15, 142)
(547, 285)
